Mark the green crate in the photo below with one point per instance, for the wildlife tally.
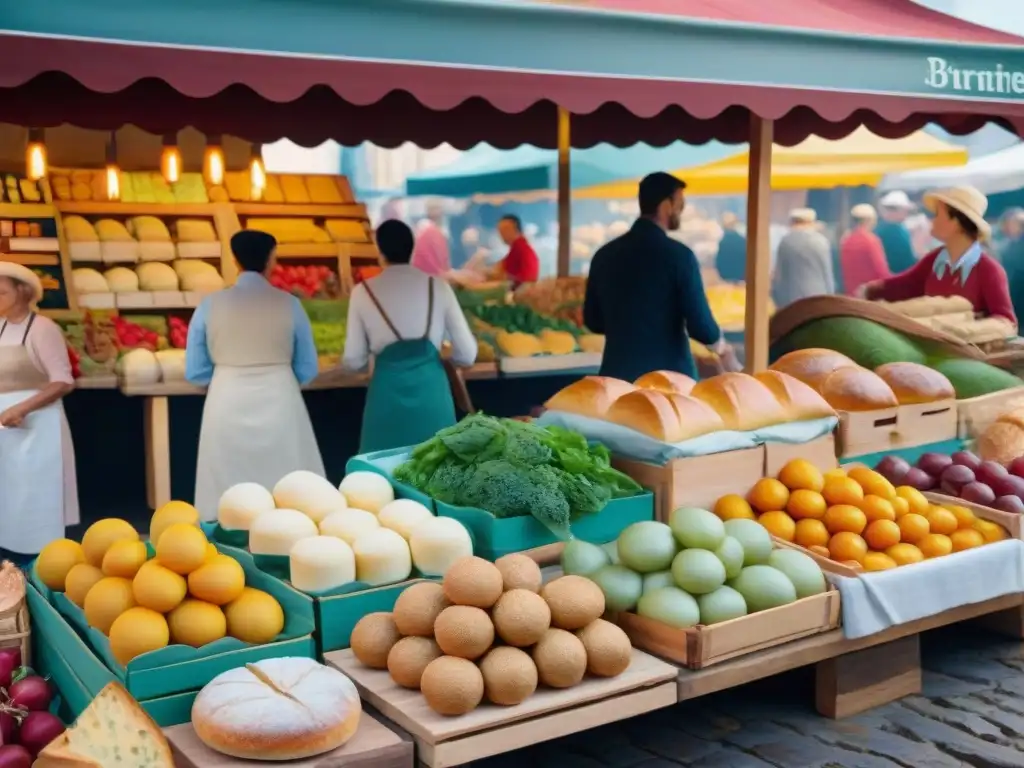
(53, 665)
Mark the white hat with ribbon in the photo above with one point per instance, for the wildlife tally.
(968, 201)
(23, 275)
(897, 199)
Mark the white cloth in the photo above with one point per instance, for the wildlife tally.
(402, 291)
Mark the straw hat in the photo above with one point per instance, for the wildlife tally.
(864, 212)
(803, 215)
(23, 275)
(968, 201)
(897, 199)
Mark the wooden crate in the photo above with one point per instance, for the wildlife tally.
(697, 481)
(864, 432)
(924, 423)
(820, 452)
(488, 730)
(975, 414)
(703, 646)
(826, 564)
(1010, 521)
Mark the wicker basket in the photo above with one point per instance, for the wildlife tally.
(15, 630)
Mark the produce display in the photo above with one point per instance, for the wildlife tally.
(16, 190)
(1003, 439)
(557, 297)
(954, 315)
(306, 282)
(513, 468)
(492, 631)
(262, 711)
(83, 185)
(187, 593)
(328, 320)
(856, 517)
(289, 189)
(696, 569)
(134, 288)
(26, 724)
(519, 331)
(728, 303)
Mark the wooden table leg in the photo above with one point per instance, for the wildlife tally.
(855, 682)
(157, 435)
(1009, 622)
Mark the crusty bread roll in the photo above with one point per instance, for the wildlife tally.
(811, 366)
(798, 400)
(857, 389)
(277, 709)
(743, 402)
(915, 383)
(696, 417)
(590, 396)
(648, 412)
(669, 382)
(1002, 441)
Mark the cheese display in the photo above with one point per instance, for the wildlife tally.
(121, 280)
(277, 709)
(437, 542)
(241, 504)
(311, 494)
(112, 730)
(517, 331)
(277, 531)
(321, 563)
(367, 490)
(86, 280)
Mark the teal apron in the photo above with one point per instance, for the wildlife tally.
(409, 398)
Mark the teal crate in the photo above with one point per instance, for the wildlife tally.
(384, 463)
(51, 664)
(337, 615)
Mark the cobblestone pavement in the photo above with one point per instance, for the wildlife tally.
(971, 713)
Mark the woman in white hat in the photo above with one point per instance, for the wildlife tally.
(38, 493)
(960, 267)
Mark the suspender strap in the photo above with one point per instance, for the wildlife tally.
(382, 312)
(32, 319)
(387, 320)
(430, 306)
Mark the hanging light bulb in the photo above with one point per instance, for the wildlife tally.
(170, 159)
(257, 173)
(113, 170)
(213, 161)
(35, 155)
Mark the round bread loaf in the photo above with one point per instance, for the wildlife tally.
(812, 365)
(277, 709)
(857, 389)
(914, 383)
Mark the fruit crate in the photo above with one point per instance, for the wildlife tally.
(821, 453)
(890, 429)
(703, 646)
(827, 564)
(1011, 521)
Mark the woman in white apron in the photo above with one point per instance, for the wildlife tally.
(253, 345)
(38, 491)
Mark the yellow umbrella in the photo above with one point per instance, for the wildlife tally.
(860, 158)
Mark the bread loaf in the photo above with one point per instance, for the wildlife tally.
(743, 402)
(811, 366)
(857, 389)
(590, 396)
(696, 417)
(798, 400)
(669, 382)
(1002, 441)
(648, 412)
(277, 709)
(915, 383)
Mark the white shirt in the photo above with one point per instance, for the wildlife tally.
(402, 291)
(45, 346)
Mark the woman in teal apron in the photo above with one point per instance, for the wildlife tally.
(401, 318)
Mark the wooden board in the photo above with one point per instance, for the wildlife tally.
(373, 745)
(925, 423)
(975, 414)
(1010, 521)
(864, 432)
(441, 741)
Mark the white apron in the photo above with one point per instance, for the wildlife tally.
(32, 482)
(255, 429)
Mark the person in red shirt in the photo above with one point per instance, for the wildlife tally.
(521, 265)
(861, 254)
(960, 267)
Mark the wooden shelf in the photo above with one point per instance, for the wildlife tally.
(32, 259)
(98, 208)
(343, 211)
(26, 211)
(96, 382)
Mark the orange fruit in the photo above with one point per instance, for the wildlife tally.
(733, 507)
(964, 517)
(779, 524)
(968, 538)
(941, 520)
(917, 501)
(800, 474)
(806, 503)
(990, 531)
(900, 506)
(768, 495)
(878, 561)
(877, 508)
(905, 554)
(882, 534)
(935, 545)
(872, 482)
(852, 564)
(810, 533)
(847, 546)
(845, 517)
(913, 527)
(842, 490)
(819, 549)
(834, 474)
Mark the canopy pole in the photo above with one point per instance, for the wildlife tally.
(759, 191)
(564, 193)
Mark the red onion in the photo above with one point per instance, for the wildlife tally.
(8, 728)
(15, 756)
(31, 693)
(37, 730)
(6, 671)
(14, 653)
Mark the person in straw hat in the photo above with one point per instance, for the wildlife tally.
(38, 492)
(803, 266)
(861, 255)
(960, 267)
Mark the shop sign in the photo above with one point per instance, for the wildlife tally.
(949, 76)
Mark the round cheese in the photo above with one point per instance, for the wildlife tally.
(154, 276)
(241, 504)
(276, 532)
(402, 515)
(309, 493)
(277, 709)
(438, 542)
(121, 280)
(382, 557)
(86, 280)
(321, 563)
(349, 524)
(367, 490)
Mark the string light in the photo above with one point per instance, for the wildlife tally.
(257, 173)
(213, 161)
(170, 159)
(113, 170)
(35, 155)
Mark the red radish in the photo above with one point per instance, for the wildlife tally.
(7, 667)
(15, 756)
(31, 693)
(9, 726)
(13, 653)
(37, 730)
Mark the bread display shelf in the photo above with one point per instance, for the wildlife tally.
(865, 432)
(34, 244)
(1008, 520)
(308, 250)
(647, 684)
(32, 259)
(116, 209)
(976, 414)
(576, 361)
(704, 646)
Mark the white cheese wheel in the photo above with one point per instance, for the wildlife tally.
(154, 276)
(349, 524)
(402, 515)
(241, 504)
(121, 280)
(382, 557)
(139, 367)
(308, 492)
(172, 364)
(276, 532)
(277, 709)
(367, 490)
(437, 543)
(86, 280)
(321, 563)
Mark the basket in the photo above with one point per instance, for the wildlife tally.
(15, 631)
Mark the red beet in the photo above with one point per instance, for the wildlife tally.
(7, 668)
(934, 463)
(8, 729)
(918, 478)
(978, 493)
(954, 478)
(15, 756)
(1017, 466)
(990, 471)
(893, 469)
(966, 459)
(38, 729)
(1011, 504)
(1011, 485)
(32, 693)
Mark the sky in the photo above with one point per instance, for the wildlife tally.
(1004, 15)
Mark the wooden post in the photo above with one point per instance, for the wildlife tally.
(758, 244)
(157, 435)
(564, 193)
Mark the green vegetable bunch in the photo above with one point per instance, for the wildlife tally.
(512, 468)
(520, 318)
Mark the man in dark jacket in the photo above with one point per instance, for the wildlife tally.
(645, 292)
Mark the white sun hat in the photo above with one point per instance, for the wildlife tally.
(804, 215)
(864, 211)
(24, 275)
(897, 199)
(968, 201)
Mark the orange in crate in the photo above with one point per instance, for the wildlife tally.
(779, 524)
(990, 531)
(882, 534)
(965, 518)
(935, 545)
(845, 517)
(768, 495)
(913, 527)
(900, 506)
(877, 508)
(967, 538)
(905, 554)
(804, 503)
(800, 474)
(915, 500)
(811, 533)
(847, 546)
(872, 482)
(842, 490)
(878, 561)
(818, 549)
(734, 507)
(942, 520)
